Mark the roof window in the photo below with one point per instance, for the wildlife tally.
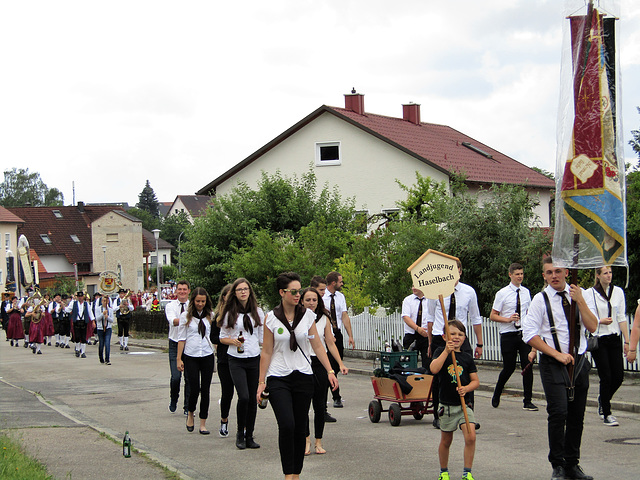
(45, 238)
(57, 213)
(75, 238)
(477, 150)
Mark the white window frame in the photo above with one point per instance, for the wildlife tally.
(112, 237)
(327, 163)
(7, 241)
(46, 239)
(75, 238)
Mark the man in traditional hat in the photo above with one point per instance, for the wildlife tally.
(81, 315)
(124, 317)
(6, 300)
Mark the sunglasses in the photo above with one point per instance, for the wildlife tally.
(293, 291)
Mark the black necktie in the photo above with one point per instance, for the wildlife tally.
(566, 306)
(452, 307)
(518, 306)
(182, 307)
(419, 319)
(334, 317)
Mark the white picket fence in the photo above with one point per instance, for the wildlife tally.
(371, 331)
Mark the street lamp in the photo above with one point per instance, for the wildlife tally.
(104, 251)
(156, 235)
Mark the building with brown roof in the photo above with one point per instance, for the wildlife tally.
(86, 239)
(364, 154)
(192, 205)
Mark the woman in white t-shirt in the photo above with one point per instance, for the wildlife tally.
(312, 300)
(286, 367)
(242, 330)
(612, 324)
(195, 354)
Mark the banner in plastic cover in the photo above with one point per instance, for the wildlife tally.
(590, 185)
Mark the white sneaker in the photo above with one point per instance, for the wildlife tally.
(224, 430)
(611, 421)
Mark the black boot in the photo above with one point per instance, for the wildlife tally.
(240, 441)
(250, 443)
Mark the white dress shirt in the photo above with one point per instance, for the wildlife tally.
(537, 321)
(505, 304)
(251, 342)
(195, 345)
(466, 308)
(618, 311)
(341, 304)
(410, 307)
(284, 360)
(172, 311)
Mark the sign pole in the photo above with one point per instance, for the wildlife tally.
(453, 360)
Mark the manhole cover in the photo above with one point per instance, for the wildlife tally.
(624, 441)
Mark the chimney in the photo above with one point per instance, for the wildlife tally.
(81, 207)
(411, 113)
(354, 101)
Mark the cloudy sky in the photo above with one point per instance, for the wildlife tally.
(109, 94)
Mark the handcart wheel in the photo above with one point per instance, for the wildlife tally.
(417, 410)
(375, 410)
(395, 414)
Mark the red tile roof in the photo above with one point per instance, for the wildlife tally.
(439, 146)
(7, 217)
(73, 221)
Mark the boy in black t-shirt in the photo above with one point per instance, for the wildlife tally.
(452, 416)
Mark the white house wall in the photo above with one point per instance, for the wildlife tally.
(542, 211)
(368, 170)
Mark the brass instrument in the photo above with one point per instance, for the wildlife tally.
(37, 301)
(124, 304)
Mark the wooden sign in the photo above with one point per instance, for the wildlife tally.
(435, 274)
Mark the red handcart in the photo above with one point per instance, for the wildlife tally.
(417, 403)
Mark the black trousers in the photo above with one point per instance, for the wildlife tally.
(319, 400)
(335, 394)
(123, 328)
(608, 358)
(245, 373)
(199, 371)
(226, 387)
(512, 346)
(565, 419)
(80, 332)
(422, 345)
(290, 398)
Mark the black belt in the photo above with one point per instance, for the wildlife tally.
(511, 334)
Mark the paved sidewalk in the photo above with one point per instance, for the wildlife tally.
(75, 428)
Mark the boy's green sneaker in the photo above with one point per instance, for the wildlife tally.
(467, 476)
(444, 476)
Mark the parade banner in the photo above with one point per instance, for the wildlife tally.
(590, 195)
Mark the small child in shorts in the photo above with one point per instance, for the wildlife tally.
(451, 414)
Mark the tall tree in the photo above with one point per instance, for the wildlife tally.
(21, 187)
(147, 200)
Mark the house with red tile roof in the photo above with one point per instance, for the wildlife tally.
(86, 238)
(364, 154)
(192, 205)
(9, 224)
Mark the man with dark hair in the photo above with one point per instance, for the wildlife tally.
(320, 284)
(546, 328)
(414, 314)
(81, 315)
(509, 308)
(336, 304)
(173, 311)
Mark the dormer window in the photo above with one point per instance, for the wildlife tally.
(328, 153)
(45, 238)
(75, 238)
(57, 213)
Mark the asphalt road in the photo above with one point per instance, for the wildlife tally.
(78, 399)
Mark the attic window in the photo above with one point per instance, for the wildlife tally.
(57, 213)
(75, 238)
(112, 237)
(45, 238)
(328, 153)
(477, 150)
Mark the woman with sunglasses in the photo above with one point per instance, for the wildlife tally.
(242, 332)
(285, 370)
(195, 355)
(312, 300)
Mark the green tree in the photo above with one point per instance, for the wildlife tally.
(149, 222)
(21, 187)
(635, 142)
(175, 227)
(267, 220)
(147, 200)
